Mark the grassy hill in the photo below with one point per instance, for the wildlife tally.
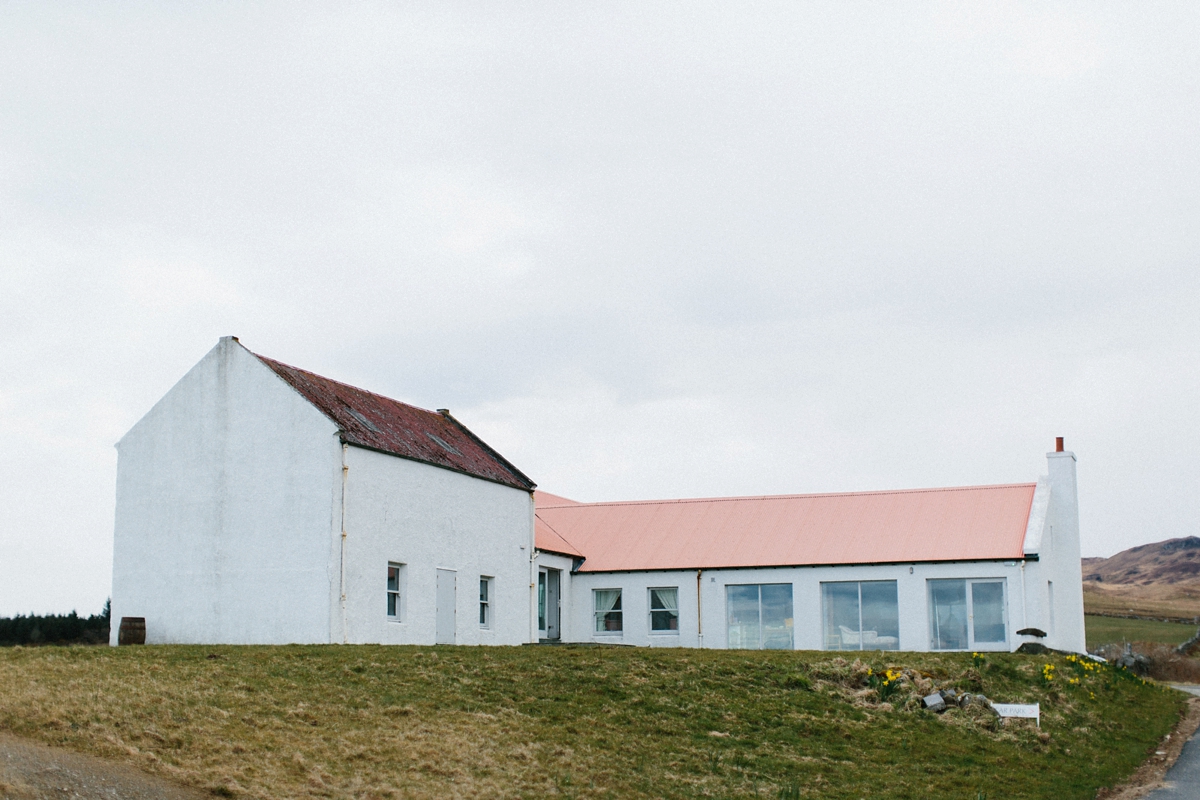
(1169, 561)
(1160, 580)
(1116, 630)
(377, 722)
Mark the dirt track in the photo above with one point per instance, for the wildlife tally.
(32, 771)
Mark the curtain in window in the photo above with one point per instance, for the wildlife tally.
(741, 608)
(987, 610)
(948, 615)
(608, 610)
(861, 615)
(840, 601)
(664, 609)
(777, 621)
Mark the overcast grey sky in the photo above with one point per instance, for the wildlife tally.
(644, 250)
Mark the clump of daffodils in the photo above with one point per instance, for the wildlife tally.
(885, 683)
(1082, 665)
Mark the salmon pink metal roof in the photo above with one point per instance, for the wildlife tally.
(962, 524)
(545, 537)
(379, 423)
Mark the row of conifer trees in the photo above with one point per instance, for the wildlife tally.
(55, 628)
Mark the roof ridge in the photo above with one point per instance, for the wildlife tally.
(791, 496)
(351, 386)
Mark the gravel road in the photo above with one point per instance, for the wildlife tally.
(32, 771)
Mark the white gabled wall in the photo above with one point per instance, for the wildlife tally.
(224, 508)
(1052, 543)
(425, 517)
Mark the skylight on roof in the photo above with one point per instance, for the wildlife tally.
(366, 422)
(444, 445)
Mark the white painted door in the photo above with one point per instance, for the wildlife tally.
(445, 606)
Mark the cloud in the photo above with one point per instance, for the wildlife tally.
(643, 251)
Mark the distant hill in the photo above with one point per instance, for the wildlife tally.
(1171, 562)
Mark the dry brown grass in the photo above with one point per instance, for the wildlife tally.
(1167, 601)
(272, 737)
(390, 722)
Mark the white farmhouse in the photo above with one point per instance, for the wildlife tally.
(259, 503)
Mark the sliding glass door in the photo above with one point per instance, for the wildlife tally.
(967, 615)
(759, 616)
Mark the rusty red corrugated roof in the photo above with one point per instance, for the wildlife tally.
(380, 423)
(958, 524)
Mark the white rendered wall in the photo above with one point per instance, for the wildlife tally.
(224, 510)
(426, 518)
(911, 587)
(1059, 559)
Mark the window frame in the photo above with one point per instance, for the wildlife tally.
(968, 588)
(618, 609)
(826, 635)
(542, 586)
(486, 593)
(397, 595)
(789, 622)
(650, 611)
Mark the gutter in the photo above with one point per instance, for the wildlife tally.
(1010, 559)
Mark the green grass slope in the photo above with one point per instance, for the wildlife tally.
(1114, 630)
(376, 722)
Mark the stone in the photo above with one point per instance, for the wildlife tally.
(934, 702)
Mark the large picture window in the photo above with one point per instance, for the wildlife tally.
(608, 610)
(861, 615)
(967, 615)
(664, 610)
(759, 616)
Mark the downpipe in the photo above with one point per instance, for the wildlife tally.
(342, 560)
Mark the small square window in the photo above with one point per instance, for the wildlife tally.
(395, 592)
(485, 601)
(608, 610)
(664, 610)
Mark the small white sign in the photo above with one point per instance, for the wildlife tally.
(1022, 710)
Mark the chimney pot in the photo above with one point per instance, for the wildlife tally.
(1058, 444)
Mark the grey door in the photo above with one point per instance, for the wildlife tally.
(445, 606)
(552, 604)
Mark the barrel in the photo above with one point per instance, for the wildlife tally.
(132, 630)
